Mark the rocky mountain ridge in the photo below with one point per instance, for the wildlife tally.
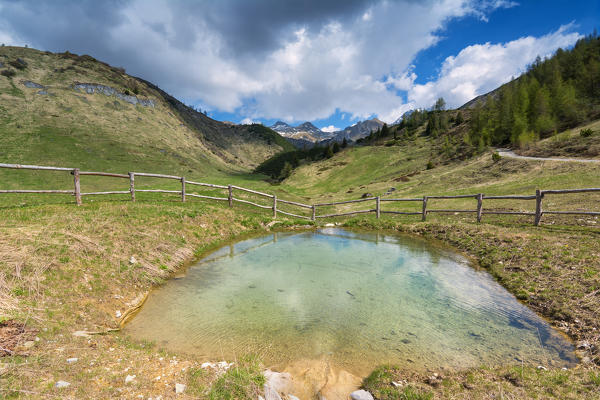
(306, 133)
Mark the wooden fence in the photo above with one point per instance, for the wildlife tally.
(230, 199)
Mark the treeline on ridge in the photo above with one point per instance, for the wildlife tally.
(554, 94)
(280, 166)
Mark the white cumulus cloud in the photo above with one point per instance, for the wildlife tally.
(479, 68)
(269, 59)
(330, 129)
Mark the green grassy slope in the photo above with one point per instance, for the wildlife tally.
(401, 171)
(60, 125)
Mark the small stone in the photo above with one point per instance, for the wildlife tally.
(72, 360)
(583, 346)
(396, 384)
(361, 395)
(61, 384)
(179, 388)
(118, 314)
(129, 378)
(542, 368)
(132, 260)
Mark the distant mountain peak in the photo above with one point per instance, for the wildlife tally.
(308, 126)
(306, 131)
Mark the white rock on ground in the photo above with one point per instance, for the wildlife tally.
(270, 393)
(72, 360)
(129, 378)
(118, 314)
(61, 384)
(361, 395)
(279, 381)
(179, 388)
(132, 260)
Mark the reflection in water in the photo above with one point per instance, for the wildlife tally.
(355, 299)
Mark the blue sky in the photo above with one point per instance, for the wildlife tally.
(325, 61)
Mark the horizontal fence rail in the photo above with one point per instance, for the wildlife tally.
(229, 197)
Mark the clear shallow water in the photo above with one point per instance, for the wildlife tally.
(355, 299)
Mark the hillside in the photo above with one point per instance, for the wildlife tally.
(64, 109)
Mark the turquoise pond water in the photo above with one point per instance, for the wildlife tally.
(358, 299)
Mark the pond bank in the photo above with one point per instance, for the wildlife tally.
(68, 270)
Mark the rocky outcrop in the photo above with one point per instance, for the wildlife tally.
(32, 85)
(91, 88)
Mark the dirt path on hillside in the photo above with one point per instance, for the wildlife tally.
(511, 154)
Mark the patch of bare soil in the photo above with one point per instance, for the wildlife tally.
(14, 337)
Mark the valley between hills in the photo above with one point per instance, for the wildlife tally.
(68, 274)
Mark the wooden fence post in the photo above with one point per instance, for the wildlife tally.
(539, 195)
(77, 186)
(183, 188)
(132, 185)
(314, 212)
(424, 212)
(479, 206)
(378, 206)
(230, 196)
(274, 206)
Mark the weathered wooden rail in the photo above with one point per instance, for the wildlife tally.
(424, 201)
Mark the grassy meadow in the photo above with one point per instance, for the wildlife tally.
(67, 269)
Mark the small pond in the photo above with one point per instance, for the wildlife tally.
(358, 299)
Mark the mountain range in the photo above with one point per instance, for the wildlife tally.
(308, 134)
